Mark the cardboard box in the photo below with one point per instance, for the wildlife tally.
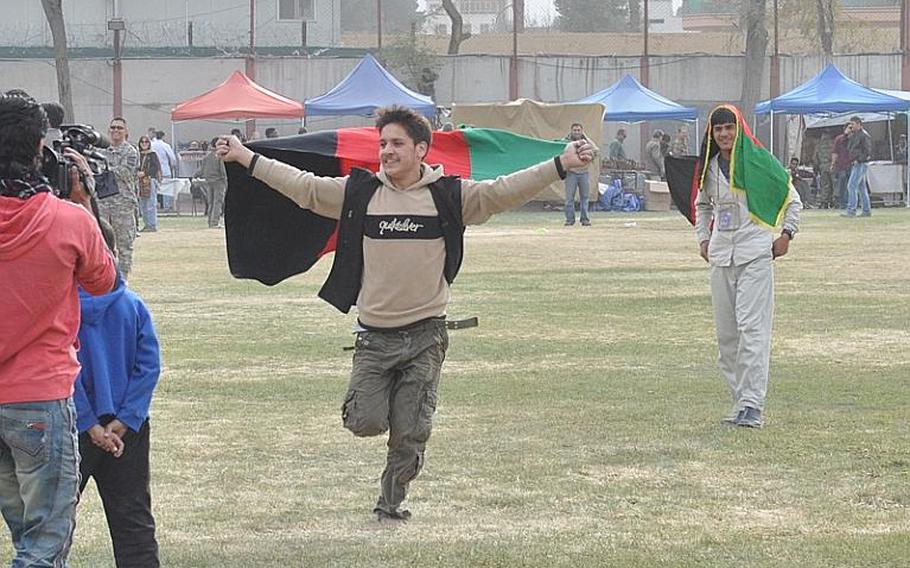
(657, 196)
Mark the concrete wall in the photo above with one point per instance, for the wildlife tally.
(153, 87)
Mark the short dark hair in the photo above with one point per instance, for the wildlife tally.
(578, 124)
(118, 118)
(621, 131)
(270, 131)
(855, 118)
(23, 124)
(722, 115)
(159, 134)
(415, 124)
(55, 113)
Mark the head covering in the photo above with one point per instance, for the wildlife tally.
(754, 172)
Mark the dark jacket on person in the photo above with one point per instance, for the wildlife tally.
(859, 146)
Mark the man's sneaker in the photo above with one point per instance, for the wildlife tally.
(585, 223)
(750, 418)
(386, 518)
(734, 417)
(866, 214)
(848, 214)
(569, 223)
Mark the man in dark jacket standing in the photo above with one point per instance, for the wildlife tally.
(859, 147)
(399, 249)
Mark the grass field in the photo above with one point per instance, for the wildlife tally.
(578, 426)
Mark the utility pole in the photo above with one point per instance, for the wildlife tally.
(378, 25)
(513, 63)
(117, 25)
(775, 76)
(905, 46)
(644, 73)
(251, 62)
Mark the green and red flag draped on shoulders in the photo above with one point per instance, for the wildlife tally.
(270, 238)
(754, 172)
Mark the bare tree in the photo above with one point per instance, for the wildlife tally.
(458, 33)
(635, 16)
(826, 26)
(53, 11)
(753, 22)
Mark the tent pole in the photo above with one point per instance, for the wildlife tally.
(907, 165)
(772, 132)
(697, 130)
(890, 136)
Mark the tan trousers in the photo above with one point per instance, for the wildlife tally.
(743, 298)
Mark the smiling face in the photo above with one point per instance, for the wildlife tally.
(118, 132)
(145, 144)
(724, 136)
(399, 155)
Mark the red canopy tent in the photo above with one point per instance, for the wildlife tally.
(238, 98)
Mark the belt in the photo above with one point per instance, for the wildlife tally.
(450, 324)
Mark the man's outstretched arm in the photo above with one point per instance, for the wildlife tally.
(321, 195)
(483, 199)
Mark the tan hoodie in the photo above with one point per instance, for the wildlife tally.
(403, 248)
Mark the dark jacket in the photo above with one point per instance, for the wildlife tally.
(342, 286)
(859, 146)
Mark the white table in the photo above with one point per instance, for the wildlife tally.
(887, 182)
(174, 186)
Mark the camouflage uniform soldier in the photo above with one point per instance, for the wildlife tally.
(824, 152)
(121, 210)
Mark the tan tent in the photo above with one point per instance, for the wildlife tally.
(541, 120)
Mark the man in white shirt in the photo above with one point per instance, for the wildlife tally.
(168, 162)
(740, 252)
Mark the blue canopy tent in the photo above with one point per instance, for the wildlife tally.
(627, 100)
(368, 87)
(831, 92)
(630, 101)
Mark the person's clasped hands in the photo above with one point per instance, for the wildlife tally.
(107, 439)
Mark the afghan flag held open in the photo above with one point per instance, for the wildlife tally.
(270, 238)
(754, 172)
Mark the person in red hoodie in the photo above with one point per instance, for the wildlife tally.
(49, 247)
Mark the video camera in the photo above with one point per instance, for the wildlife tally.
(85, 140)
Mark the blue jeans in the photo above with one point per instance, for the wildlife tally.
(581, 181)
(148, 207)
(39, 480)
(857, 184)
(842, 177)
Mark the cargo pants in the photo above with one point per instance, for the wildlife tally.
(393, 388)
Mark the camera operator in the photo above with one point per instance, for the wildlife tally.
(48, 248)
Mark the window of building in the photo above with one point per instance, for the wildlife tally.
(296, 10)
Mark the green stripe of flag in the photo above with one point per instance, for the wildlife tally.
(497, 152)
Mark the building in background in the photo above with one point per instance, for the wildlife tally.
(722, 15)
(173, 24)
(480, 16)
(662, 18)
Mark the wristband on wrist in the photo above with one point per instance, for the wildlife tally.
(559, 168)
(787, 232)
(252, 166)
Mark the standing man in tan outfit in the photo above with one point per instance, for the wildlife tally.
(399, 249)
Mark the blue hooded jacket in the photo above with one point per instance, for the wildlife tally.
(120, 359)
